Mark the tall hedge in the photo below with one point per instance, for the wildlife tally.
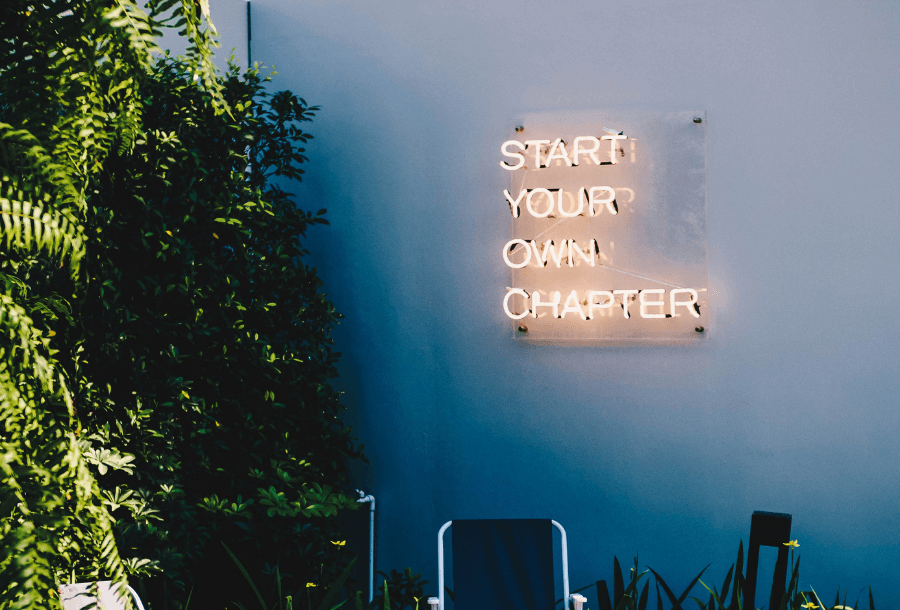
(165, 372)
(202, 347)
(69, 71)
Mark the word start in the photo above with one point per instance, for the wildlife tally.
(546, 202)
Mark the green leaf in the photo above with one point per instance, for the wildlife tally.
(334, 589)
(240, 566)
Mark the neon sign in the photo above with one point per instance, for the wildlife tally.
(608, 229)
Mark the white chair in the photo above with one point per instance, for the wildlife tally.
(78, 596)
(503, 563)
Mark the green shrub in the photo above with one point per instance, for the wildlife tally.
(68, 75)
(167, 355)
(729, 596)
(202, 347)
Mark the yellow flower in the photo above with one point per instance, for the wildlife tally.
(338, 542)
(792, 543)
(310, 584)
(809, 606)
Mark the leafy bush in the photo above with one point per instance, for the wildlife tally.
(67, 98)
(166, 359)
(401, 590)
(201, 346)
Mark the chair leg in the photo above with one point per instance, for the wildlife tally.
(778, 581)
(750, 581)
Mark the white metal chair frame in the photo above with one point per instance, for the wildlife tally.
(82, 599)
(565, 564)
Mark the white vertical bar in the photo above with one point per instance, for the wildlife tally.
(371, 541)
(565, 565)
(441, 564)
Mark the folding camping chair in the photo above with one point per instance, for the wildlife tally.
(78, 596)
(503, 563)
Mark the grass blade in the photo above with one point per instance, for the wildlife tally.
(618, 583)
(727, 582)
(738, 578)
(334, 589)
(714, 601)
(603, 602)
(278, 584)
(262, 602)
(672, 598)
(684, 595)
(676, 602)
(700, 604)
(642, 603)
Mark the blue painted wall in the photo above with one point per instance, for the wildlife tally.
(792, 403)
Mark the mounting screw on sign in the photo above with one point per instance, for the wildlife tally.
(700, 329)
(520, 128)
(523, 329)
(698, 119)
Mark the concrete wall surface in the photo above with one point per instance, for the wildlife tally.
(791, 405)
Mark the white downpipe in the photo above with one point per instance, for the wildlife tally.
(441, 564)
(363, 498)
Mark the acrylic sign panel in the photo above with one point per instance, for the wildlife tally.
(608, 214)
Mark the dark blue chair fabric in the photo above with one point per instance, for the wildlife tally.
(503, 564)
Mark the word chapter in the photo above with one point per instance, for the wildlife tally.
(651, 303)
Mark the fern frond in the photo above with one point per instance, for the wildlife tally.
(35, 200)
(128, 16)
(23, 158)
(18, 349)
(28, 226)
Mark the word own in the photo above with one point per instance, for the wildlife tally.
(548, 251)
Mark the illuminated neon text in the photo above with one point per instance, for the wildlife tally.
(648, 303)
(587, 202)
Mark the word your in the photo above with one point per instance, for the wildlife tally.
(651, 303)
(558, 151)
(592, 194)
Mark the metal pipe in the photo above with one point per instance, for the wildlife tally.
(363, 498)
(441, 565)
(249, 39)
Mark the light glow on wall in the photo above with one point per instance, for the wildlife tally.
(569, 197)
